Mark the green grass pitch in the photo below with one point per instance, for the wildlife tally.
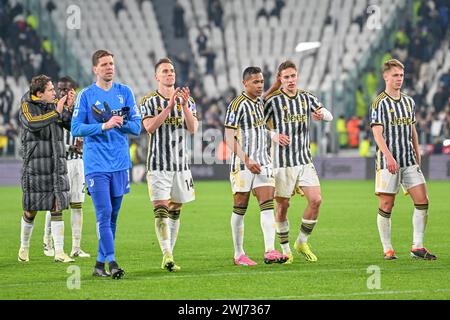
(345, 240)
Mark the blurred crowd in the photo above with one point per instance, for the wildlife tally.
(415, 43)
(22, 54)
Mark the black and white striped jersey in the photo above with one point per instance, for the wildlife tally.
(167, 149)
(397, 118)
(291, 115)
(70, 142)
(246, 116)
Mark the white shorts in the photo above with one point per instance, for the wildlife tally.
(176, 186)
(245, 181)
(75, 171)
(386, 182)
(289, 181)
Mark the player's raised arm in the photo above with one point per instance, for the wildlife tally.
(152, 123)
(190, 119)
(64, 110)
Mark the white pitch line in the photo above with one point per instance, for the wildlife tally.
(342, 295)
(168, 276)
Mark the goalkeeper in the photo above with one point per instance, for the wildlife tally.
(104, 114)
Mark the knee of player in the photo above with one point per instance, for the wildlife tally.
(387, 205)
(175, 206)
(316, 201)
(283, 204)
(29, 216)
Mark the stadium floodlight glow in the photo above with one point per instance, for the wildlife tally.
(305, 46)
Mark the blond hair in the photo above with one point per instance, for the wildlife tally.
(393, 63)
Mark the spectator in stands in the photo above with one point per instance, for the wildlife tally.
(342, 132)
(361, 105)
(262, 13)
(178, 20)
(183, 67)
(32, 21)
(401, 38)
(6, 101)
(11, 134)
(16, 10)
(445, 80)
(353, 132)
(267, 77)
(210, 55)
(118, 6)
(212, 116)
(276, 11)
(47, 46)
(50, 6)
(371, 84)
(359, 20)
(440, 99)
(3, 137)
(437, 125)
(217, 14)
(202, 41)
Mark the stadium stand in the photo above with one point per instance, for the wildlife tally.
(129, 30)
(23, 54)
(223, 37)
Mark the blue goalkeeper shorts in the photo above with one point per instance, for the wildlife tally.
(115, 183)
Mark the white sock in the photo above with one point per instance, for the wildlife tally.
(306, 230)
(174, 226)
(384, 229)
(420, 218)
(163, 234)
(48, 228)
(267, 220)
(237, 230)
(283, 235)
(58, 236)
(26, 229)
(76, 221)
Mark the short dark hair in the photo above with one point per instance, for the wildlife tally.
(286, 65)
(248, 72)
(100, 54)
(68, 79)
(161, 61)
(38, 83)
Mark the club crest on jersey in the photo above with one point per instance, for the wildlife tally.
(121, 100)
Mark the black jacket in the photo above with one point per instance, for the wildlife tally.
(44, 173)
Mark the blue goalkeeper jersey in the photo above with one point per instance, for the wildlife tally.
(105, 151)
